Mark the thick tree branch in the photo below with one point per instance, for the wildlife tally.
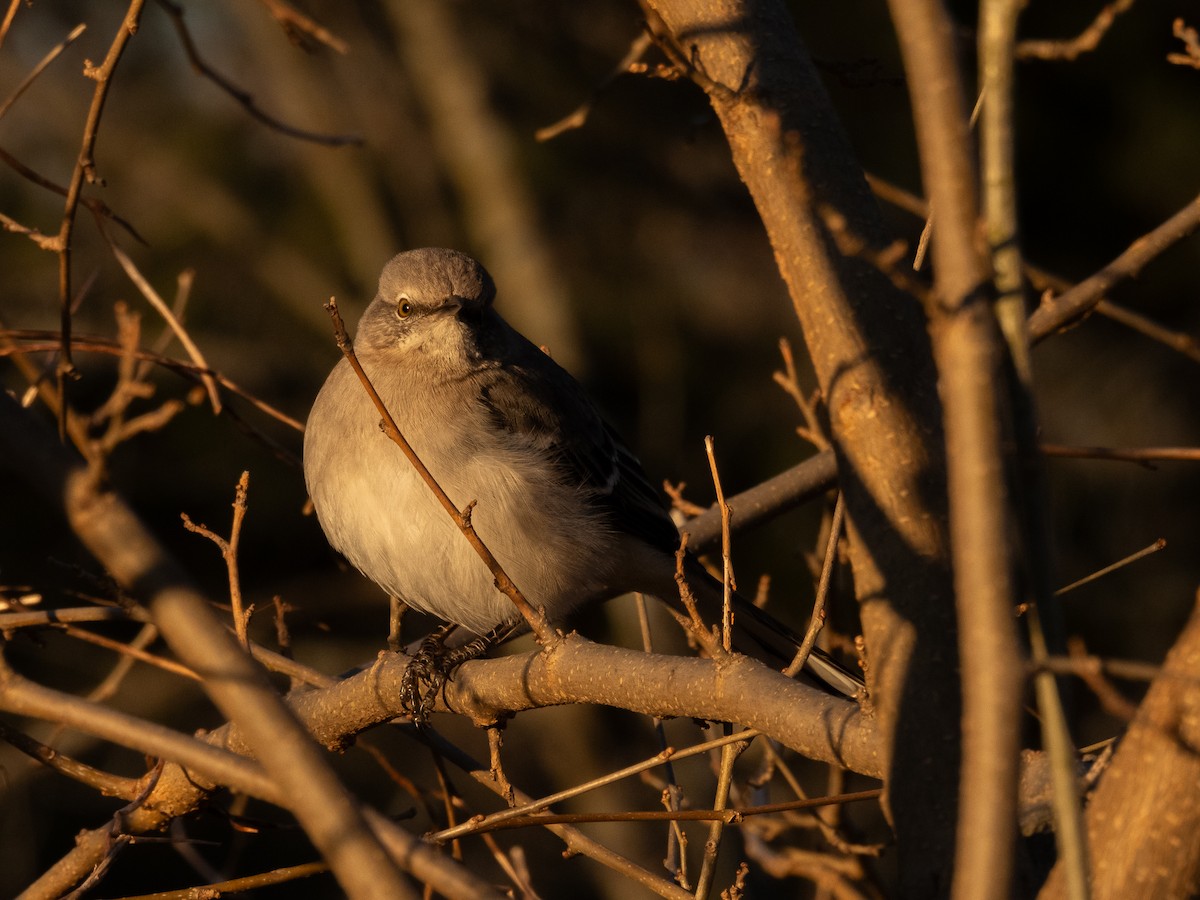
(870, 349)
(967, 347)
(1143, 818)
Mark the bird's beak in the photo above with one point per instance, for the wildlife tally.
(469, 313)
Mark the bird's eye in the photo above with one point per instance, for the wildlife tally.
(404, 308)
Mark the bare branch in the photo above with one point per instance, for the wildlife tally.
(1191, 45)
(85, 168)
(1085, 42)
(296, 23)
(579, 116)
(817, 622)
(1160, 544)
(34, 341)
(1057, 312)
(968, 355)
(1124, 454)
(151, 295)
(40, 67)
(244, 98)
(105, 783)
(229, 552)
(1152, 776)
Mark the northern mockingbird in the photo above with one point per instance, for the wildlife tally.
(561, 502)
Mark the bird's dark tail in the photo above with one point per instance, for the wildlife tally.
(758, 633)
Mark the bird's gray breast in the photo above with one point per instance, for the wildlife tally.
(379, 513)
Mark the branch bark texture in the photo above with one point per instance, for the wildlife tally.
(1144, 817)
(869, 346)
(969, 357)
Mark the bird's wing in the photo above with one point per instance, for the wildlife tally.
(530, 395)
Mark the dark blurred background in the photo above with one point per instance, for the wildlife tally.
(628, 247)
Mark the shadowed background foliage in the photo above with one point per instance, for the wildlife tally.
(628, 247)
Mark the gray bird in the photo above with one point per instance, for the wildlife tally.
(561, 502)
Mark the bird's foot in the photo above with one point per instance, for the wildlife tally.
(432, 666)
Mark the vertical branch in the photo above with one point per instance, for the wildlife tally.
(870, 349)
(1144, 813)
(967, 350)
(997, 42)
(728, 585)
(817, 622)
(229, 551)
(729, 755)
(85, 167)
(997, 37)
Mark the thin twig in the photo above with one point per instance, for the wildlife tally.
(183, 291)
(575, 840)
(1191, 45)
(229, 551)
(761, 503)
(40, 67)
(828, 829)
(1178, 341)
(1121, 563)
(1043, 280)
(672, 794)
(36, 340)
(690, 620)
(790, 382)
(712, 846)
(104, 782)
(1124, 454)
(94, 205)
(1111, 699)
(10, 13)
(1057, 312)
(294, 21)
(576, 118)
(23, 697)
(236, 885)
(244, 98)
(85, 167)
(817, 622)
(1085, 42)
(527, 808)
(125, 649)
(1125, 669)
(927, 229)
(43, 617)
(728, 584)
(146, 636)
(726, 816)
(495, 735)
(151, 295)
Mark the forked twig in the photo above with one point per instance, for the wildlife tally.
(229, 551)
(1085, 42)
(1191, 45)
(151, 295)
